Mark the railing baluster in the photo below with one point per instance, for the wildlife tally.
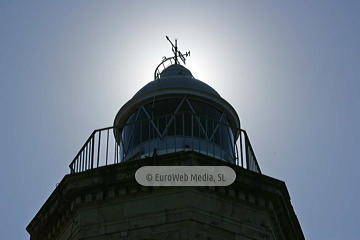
(83, 158)
(92, 151)
(175, 147)
(158, 138)
(221, 153)
(98, 153)
(199, 136)
(236, 155)
(86, 157)
(207, 145)
(241, 149)
(213, 143)
(192, 132)
(149, 138)
(183, 128)
(114, 153)
(107, 146)
(166, 134)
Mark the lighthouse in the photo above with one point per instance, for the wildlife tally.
(174, 120)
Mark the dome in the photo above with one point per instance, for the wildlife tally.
(176, 77)
(176, 81)
(177, 112)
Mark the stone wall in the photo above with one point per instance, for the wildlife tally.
(107, 203)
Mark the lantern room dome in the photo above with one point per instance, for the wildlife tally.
(176, 77)
(172, 111)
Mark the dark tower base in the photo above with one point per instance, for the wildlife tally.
(107, 203)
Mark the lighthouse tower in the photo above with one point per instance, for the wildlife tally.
(174, 120)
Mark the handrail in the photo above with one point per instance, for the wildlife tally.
(101, 149)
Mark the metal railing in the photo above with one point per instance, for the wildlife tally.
(107, 146)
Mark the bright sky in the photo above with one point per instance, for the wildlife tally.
(290, 69)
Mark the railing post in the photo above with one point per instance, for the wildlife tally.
(98, 153)
(114, 160)
(192, 131)
(107, 146)
(175, 134)
(220, 142)
(86, 155)
(247, 152)
(92, 151)
(183, 128)
(166, 134)
(241, 149)
(83, 159)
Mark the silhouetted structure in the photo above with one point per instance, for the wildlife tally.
(173, 120)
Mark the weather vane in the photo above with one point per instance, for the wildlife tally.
(177, 54)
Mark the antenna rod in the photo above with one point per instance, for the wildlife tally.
(176, 52)
(169, 41)
(174, 49)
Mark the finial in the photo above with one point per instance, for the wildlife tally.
(177, 54)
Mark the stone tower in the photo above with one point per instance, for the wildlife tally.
(174, 120)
